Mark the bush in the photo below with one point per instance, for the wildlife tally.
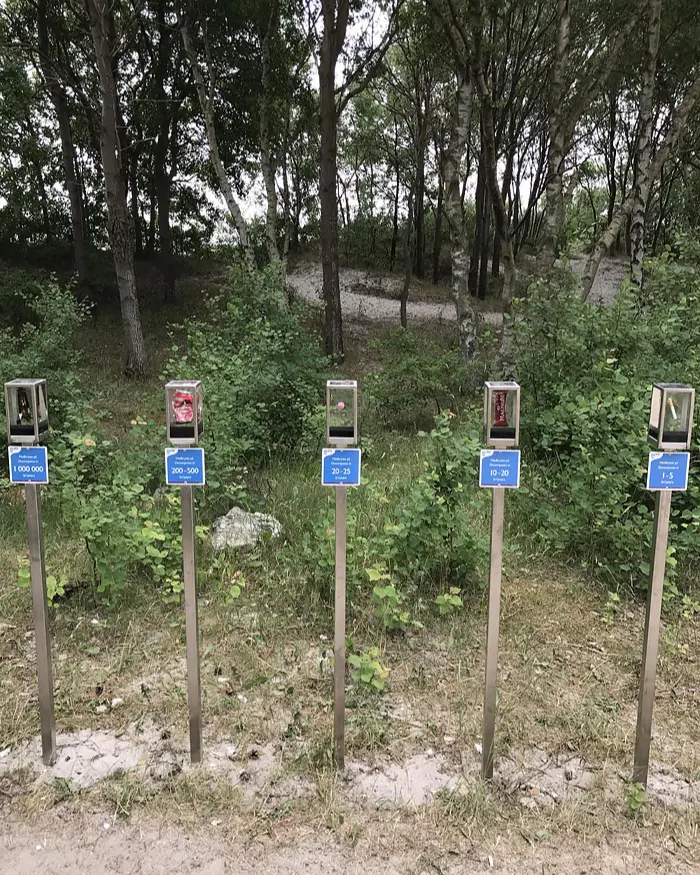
(38, 323)
(417, 379)
(263, 374)
(430, 540)
(586, 374)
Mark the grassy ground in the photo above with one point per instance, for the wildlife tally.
(568, 679)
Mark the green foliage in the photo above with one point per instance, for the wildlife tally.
(612, 606)
(315, 552)
(448, 602)
(263, 374)
(55, 586)
(389, 603)
(104, 493)
(430, 540)
(368, 670)
(417, 379)
(38, 320)
(636, 799)
(586, 374)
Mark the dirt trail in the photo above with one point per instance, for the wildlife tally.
(370, 295)
(94, 844)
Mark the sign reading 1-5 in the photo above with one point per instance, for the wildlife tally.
(668, 471)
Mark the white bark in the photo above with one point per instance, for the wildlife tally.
(554, 218)
(643, 152)
(610, 235)
(206, 103)
(467, 316)
(267, 168)
(563, 123)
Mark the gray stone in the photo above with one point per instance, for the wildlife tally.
(240, 530)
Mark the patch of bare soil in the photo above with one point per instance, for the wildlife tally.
(371, 296)
(93, 844)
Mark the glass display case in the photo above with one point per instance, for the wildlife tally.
(341, 413)
(184, 412)
(671, 416)
(501, 414)
(26, 411)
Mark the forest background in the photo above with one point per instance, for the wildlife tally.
(168, 168)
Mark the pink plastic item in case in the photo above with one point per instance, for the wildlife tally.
(183, 407)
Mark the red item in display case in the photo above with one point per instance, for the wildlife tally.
(500, 409)
(183, 407)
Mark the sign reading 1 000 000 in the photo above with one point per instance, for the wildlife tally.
(28, 465)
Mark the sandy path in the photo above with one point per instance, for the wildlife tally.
(367, 295)
(307, 281)
(94, 844)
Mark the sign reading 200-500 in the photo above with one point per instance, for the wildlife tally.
(184, 467)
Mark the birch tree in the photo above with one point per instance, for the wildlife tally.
(571, 94)
(662, 155)
(206, 94)
(644, 141)
(489, 156)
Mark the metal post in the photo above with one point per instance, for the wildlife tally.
(41, 623)
(341, 494)
(492, 633)
(651, 637)
(194, 695)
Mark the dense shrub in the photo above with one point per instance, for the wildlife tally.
(263, 374)
(417, 379)
(586, 374)
(431, 539)
(38, 321)
(424, 535)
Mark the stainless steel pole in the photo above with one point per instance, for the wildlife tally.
(194, 694)
(492, 633)
(32, 493)
(341, 493)
(651, 637)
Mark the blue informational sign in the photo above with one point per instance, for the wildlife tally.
(28, 464)
(500, 468)
(184, 466)
(668, 471)
(341, 467)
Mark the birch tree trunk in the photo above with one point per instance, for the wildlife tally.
(206, 103)
(268, 170)
(119, 223)
(335, 22)
(59, 100)
(643, 153)
(564, 116)
(467, 317)
(609, 236)
(554, 209)
(408, 261)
